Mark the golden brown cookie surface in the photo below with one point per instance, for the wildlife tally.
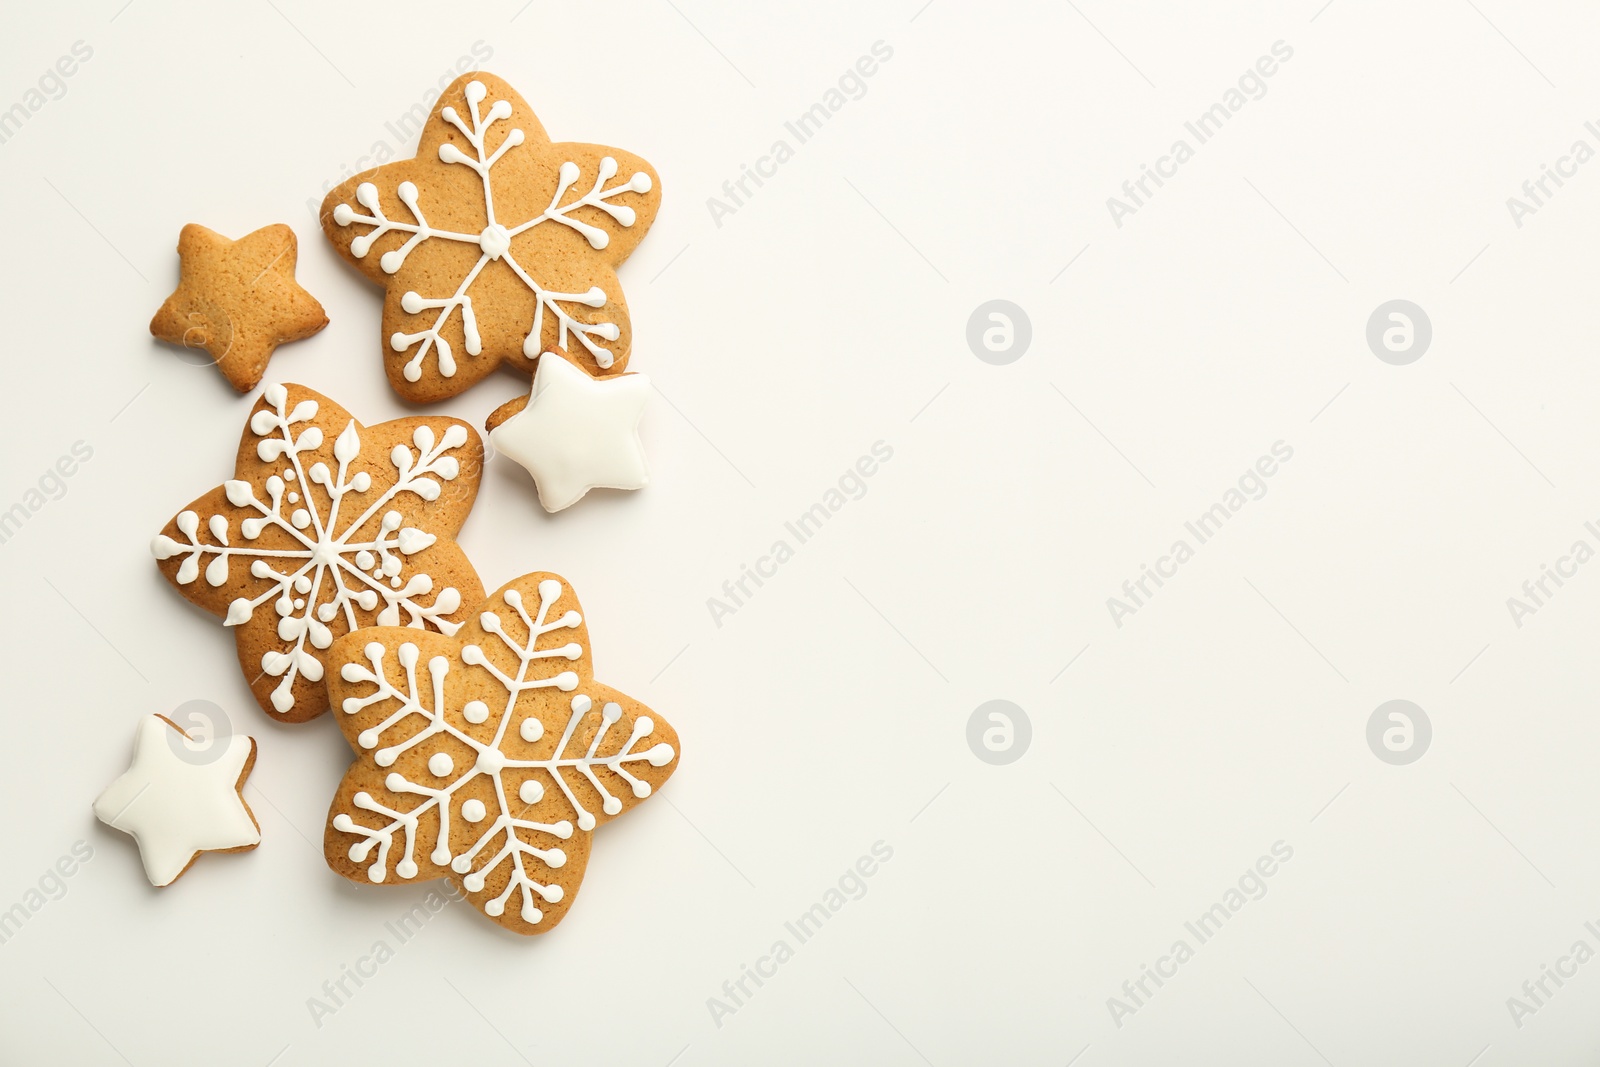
(238, 300)
(489, 757)
(494, 244)
(327, 526)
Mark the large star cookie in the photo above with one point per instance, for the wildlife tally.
(327, 526)
(238, 300)
(488, 757)
(494, 244)
(180, 798)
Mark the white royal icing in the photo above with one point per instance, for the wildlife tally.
(175, 807)
(423, 715)
(494, 243)
(326, 574)
(577, 433)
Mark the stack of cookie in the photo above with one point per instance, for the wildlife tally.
(485, 751)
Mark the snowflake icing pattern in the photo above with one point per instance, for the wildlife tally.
(328, 561)
(494, 242)
(502, 797)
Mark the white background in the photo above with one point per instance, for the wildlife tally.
(827, 313)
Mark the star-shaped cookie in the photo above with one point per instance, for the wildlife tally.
(489, 757)
(326, 526)
(179, 799)
(575, 433)
(238, 300)
(494, 244)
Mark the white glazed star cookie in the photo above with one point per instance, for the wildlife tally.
(178, 801)
(575, 433)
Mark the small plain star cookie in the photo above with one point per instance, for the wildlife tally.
(181, 798)
(238, 300)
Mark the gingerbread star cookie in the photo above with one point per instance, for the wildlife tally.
(488, 758)
(575, 433)
(327, 526)
(494, 244)
(180, 798)
(238, 300)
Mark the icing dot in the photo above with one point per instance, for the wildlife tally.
(299, 604)
(294, 498)
(364, 560)
(473, 811)
(532, 729)
(476, 711)
(531, 792)
(377, 574)
(440, 764)
(301, 518)
(395, 582)
(302, 584)
(288, 474)
(494, 242)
